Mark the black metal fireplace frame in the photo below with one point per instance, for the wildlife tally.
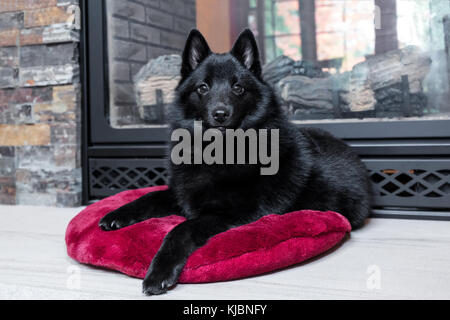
(386, 143)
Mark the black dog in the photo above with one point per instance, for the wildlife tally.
(316, 170)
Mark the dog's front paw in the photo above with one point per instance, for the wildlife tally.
(115, 220)
(158, 283)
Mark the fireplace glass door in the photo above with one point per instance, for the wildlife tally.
(330, 60)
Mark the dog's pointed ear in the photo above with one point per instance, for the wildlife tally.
(195, 51)
(246, 51)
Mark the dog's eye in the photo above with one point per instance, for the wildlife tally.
(238, 89)
(203, 89)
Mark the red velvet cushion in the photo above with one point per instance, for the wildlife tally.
(271, 243)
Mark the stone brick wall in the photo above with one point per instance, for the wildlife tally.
(141, 30)
(39, 103)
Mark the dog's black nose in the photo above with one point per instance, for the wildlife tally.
(221, 115)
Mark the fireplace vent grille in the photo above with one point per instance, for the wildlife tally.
(420, 183)
(412, 183)
(110, 176)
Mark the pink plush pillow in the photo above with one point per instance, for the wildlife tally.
(271, 243)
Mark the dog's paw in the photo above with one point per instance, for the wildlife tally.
(155, 287)
(114, 221)
(158, 283)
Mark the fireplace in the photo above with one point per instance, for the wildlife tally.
(374, 73)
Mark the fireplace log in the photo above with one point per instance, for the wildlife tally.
(308, 98)
(155, 85)
(377, 82)
(283, 66)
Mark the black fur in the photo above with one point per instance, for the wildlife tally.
(317, 171)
